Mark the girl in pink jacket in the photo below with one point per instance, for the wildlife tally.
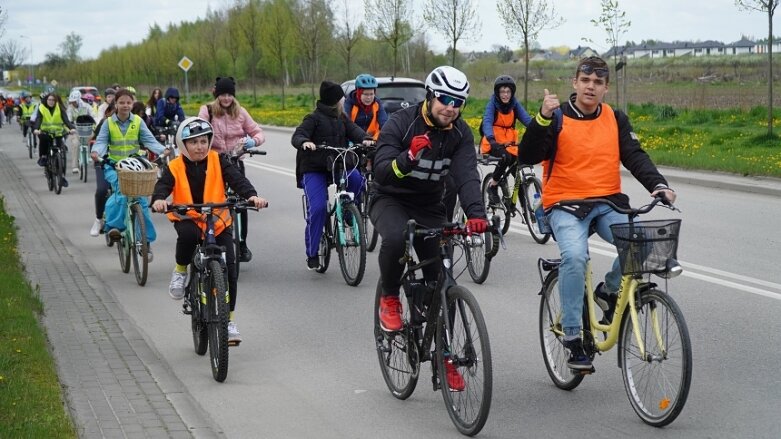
(233, 129)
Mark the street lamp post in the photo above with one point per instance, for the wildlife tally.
(32, 72)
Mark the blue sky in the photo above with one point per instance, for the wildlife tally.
(103, 24)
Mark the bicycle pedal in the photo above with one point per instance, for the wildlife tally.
(584, 372)
(234, 342)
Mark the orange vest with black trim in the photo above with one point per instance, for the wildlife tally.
(504, 132)
(588, 161)
(213, 192)
(374, 125)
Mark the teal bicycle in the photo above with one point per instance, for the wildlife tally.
(134, 243)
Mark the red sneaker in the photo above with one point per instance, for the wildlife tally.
(454, 379)
(390, 313)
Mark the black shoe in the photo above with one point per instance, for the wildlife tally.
(578, 360)
(606, 302)
(42, 161)
(64, 182)
(245, 255)
(493, 195)
(312, 263)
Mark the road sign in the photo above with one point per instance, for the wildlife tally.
(185, 63)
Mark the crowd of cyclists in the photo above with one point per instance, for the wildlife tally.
(417, 151)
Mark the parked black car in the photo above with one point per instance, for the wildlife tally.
(394, 92)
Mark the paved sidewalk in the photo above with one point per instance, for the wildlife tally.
(115, 385)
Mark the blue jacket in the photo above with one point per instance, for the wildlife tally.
(166, 112)
(493, 106)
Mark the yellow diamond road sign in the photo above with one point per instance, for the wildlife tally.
(185, 63)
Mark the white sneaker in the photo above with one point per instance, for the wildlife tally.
(233, 333)
(149, 255)
(176, 287)
(75, 170)
(96, 226)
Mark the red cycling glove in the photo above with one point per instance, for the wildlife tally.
(417, 145)
(476, 225)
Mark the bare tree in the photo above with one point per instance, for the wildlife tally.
(348, 36)
(278, 21)
(390, 21)
(250, 27)
(526, 19)
(613, 20)
(11, 54)
(768, 7)
(455, 19)
(71, 46)
(315, 21)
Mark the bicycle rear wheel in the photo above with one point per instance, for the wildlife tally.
(197, 311)
(531, 186)
(657, 383)
(551, 332)
(324, 248)
(470, 353)
(398, 355)
(352, 253)
(139, 246)
(217, 321)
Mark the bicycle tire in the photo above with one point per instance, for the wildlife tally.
(470, 351)
(217, 322)
(665, 369)
(56, 172)
(398, 356)
(47, 172)
(371, 234)
(197, 311)
(30, 144)
(235, 220)
(476, 251)
(352, 255)
(532, 185)
(123, 248)
(553, 352)
(500, 210)
(139, 246)
(324, 248)
(83, 164)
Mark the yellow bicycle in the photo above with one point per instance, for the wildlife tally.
(654, 350)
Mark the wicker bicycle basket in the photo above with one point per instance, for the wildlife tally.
(137, 183)
(645, 246)
(84, 129)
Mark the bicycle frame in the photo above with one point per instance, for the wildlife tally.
(342, 196)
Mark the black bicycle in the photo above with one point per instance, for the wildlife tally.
(367, 196)
(238, 223)
(461, 344)
(55, 164)
(206, 295)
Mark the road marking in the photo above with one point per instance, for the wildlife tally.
(700, 272)
(271, 168)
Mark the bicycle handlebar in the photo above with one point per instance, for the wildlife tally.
(183, 208)
(631, 211)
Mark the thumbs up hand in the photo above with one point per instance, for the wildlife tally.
(549, 103)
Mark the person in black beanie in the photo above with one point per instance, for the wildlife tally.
(326, 125)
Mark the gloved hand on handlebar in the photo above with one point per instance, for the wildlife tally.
(476, 225)
(496, 147)
(250, 143)
(417, 145)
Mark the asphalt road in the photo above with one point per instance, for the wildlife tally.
(308, 367)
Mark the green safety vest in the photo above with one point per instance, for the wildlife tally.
(119, 145)
(27, 110)
(51, 123)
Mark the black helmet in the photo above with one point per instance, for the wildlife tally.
(504, 81)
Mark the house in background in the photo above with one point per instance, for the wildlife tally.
(686, 48)
(582, 52)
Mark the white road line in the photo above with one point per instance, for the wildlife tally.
(691, 270)
(271, 168)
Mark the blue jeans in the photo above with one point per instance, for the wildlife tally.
(315, 186)
(116, 206)
(572, 237)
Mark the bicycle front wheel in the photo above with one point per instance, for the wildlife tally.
(469, 355)
(398, 355)
(30, 144)
(532, 186)
(56, 172)
(477, 249)
(657, 382)
(197, 314)
(83, 161)
(350, 244)
(551, 332)
(139, 246)
(236, 221)
(371, 234)
(217, 321)
(123, 248)
(499, 209)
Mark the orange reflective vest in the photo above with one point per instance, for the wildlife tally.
(374, 125)
(504, 132)
(588, 160)
(213, 192)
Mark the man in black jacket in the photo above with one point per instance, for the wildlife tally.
(327, 125)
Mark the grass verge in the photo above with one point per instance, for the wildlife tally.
(31, 404)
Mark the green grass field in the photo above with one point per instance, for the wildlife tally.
(31, 404)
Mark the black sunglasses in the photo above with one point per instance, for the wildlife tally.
(589, 69)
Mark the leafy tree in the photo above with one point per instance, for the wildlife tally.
(315, 25)
(768, 7)
(455, 20)
(11, 54)
(71, 46)
(53, 60)
(391, 22)
(504, 54)
(250, 27)
(613, 20)
(526, 19)
(348, 36)
(231, 40)
(278, 20)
